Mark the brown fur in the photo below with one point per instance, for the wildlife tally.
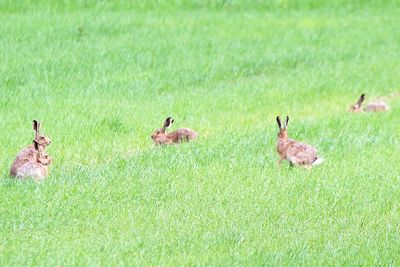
(160, 137)
(295, 152)
(378, 106)
(28, 154)
(38, 169)
(357, 106)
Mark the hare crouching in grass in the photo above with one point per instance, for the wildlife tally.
(377, 106)
(38, 169)
(295, 152)
(28, 154)
(160, 137)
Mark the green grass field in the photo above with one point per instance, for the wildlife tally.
(102, 77)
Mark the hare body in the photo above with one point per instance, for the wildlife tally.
(37, 170)
(25, 156)
(160, 137)
(184, 134)
(295, 152)
(28, 154)
(378, 106)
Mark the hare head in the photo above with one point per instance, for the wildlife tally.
(282, 130)
(159, 135)
(357, 106)
(42, 157)
(40, 139)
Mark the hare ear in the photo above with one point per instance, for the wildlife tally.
(36, 126)
(287, 121)
(168, 122)
(361, 99)
(36, 145)
(278, 120)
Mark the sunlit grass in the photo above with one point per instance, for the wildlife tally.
(103, 77)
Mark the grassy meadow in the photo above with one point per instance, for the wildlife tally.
(101, 77)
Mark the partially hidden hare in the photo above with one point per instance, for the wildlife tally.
(295, 152)
(377, 106)
(160, 137)
(37, 169)
(28, 154)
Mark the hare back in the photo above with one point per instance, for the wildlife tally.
(297, 152)
(377, 107)
(26, 155)
(182, 134)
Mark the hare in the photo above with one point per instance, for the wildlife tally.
(162, 138)
(28, 154)
(293, 151)
(37, 169)
(377, 106)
